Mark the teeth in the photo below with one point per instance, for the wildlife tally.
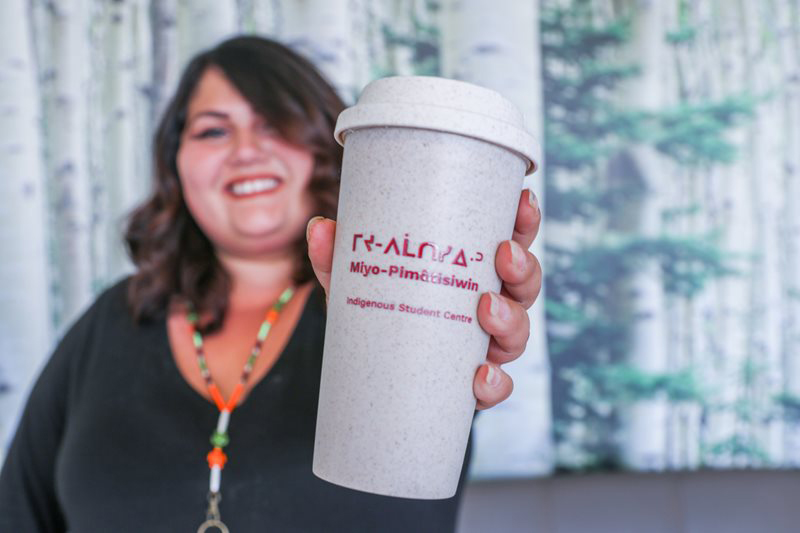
(254, 186)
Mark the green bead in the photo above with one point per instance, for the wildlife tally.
(287, 294)
(198, 339)
(263, 330)
(219, 440)
(192, 317)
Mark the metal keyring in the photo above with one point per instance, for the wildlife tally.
(212, 522)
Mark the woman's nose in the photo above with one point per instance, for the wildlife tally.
(247, 147)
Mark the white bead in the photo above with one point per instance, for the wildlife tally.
(213, 484)
(222, 422)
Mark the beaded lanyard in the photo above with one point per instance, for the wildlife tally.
(219, 439)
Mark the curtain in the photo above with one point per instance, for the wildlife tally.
(667, 336)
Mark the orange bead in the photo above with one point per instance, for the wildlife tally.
(216, 457)
(272, 316)
(235, 395)
(216, 396)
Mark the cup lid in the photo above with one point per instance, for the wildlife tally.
(441, 104)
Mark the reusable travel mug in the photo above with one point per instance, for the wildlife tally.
(431, 179)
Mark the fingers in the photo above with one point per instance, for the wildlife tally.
(320, 233)
(509, 326)
(507, 323)
(491, 386)
(503, 316)
(529, 217)
(520, 271)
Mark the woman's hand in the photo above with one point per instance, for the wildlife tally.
(508, 325)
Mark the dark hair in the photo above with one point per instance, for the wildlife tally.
(174, 258)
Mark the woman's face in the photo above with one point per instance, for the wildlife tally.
(246, 186)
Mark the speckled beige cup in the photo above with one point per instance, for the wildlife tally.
(431, 179)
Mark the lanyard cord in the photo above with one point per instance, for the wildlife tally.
(219, 439)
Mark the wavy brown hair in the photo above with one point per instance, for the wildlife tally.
(174, 258)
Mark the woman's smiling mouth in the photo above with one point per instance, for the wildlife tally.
(254, 185)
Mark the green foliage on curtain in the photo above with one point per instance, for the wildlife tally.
(588, 327)
(422, 39)
(693, 134)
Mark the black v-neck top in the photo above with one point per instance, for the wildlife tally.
(113, 439)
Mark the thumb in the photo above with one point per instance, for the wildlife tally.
(320, 233)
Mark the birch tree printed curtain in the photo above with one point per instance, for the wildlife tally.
(671, 269)
(668, 333)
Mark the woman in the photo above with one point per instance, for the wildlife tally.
(116, 431)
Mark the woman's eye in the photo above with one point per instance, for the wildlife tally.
(209, 133)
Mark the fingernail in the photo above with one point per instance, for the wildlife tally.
(533, 200)
(517, 255)
(493, 376)
(498, 307)
(311, 223)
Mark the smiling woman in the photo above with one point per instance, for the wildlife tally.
(246, 111)
(226, 312)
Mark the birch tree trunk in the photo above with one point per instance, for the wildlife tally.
(267, 17)
(144, 122)
(322, 31)
(762, 170)
(118, 181)
(692, 343)
(644, 422)
(769, 282)
(788, 13)
(399, 29)
(377, 50)
(204, 23)
(701, 186)
(25, 325)
(66, 138)
(164, 27)
(272, 14)
(245, 16)
(499, 49)
(675, 197)
(734, 55)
